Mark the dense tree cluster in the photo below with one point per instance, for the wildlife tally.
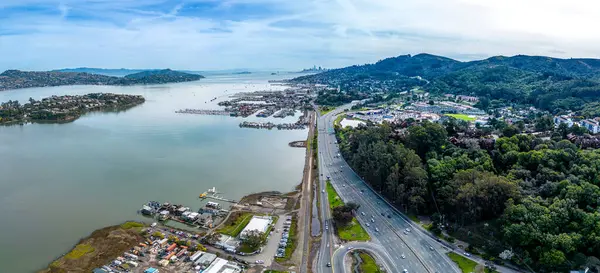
(542, 196)
(335, 98)
(254, 239)
(343, 215)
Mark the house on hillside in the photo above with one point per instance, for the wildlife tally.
(590, 124)
(563, 119)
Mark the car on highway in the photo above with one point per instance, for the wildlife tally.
(363, 213)
(260, 262)
(372, 220)
(323, 191)
(467, 254)
(350, 248)
(368, 225)
(377, 229)
(328, 264)
(405, 271)
(382, 214)
(430, 248)
(403, 257)
(389, 216)
(407, 229)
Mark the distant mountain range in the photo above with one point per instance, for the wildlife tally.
(14, 79)
(121, 72)
(548, 83)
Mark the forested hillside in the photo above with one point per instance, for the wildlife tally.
(548, 83)
(15, 79)
(540, 198)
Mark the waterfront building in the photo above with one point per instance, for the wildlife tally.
(257, 223)
(206, 259)
(223, 266)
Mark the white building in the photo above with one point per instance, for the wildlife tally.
(563, 119)
(257, 223)
(591, 125)
(223, 266)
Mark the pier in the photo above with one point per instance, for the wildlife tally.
(218, 198)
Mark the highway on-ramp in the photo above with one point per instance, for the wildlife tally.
(410, 249)
(378, 252)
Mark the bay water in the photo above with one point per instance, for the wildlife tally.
(59, 182)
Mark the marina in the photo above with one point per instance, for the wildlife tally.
(109, 164)
(205, 217)
(204, 112)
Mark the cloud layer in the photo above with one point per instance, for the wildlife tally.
(282, 34)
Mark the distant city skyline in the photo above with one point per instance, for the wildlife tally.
(285, 35)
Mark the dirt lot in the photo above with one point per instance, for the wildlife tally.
(253, 198)
(99, 248)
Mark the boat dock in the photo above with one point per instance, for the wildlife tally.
(206, 217)
(221, 199)
(216, 197)
(204, 112)
(212, 194)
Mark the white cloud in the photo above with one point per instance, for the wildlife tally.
(331, 33)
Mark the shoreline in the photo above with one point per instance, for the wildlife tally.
(296, 197)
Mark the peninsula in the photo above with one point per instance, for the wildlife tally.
(15, 79)
(64, 108)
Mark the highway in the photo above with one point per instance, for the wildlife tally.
(375, 250)
(412, 250)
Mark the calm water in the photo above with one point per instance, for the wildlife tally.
(59, 182)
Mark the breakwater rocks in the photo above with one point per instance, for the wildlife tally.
(298, 144)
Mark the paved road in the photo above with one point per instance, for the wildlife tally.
(422, 253)
(381, 256)
(306, 198)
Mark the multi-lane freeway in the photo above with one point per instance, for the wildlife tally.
(394, 241)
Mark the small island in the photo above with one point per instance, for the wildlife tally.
(64, 108)
(16, 79)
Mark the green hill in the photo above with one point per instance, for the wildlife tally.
(548, 83)
(15, 79)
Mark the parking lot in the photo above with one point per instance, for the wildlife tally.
(275, 243)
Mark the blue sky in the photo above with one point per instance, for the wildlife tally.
(285, 34)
